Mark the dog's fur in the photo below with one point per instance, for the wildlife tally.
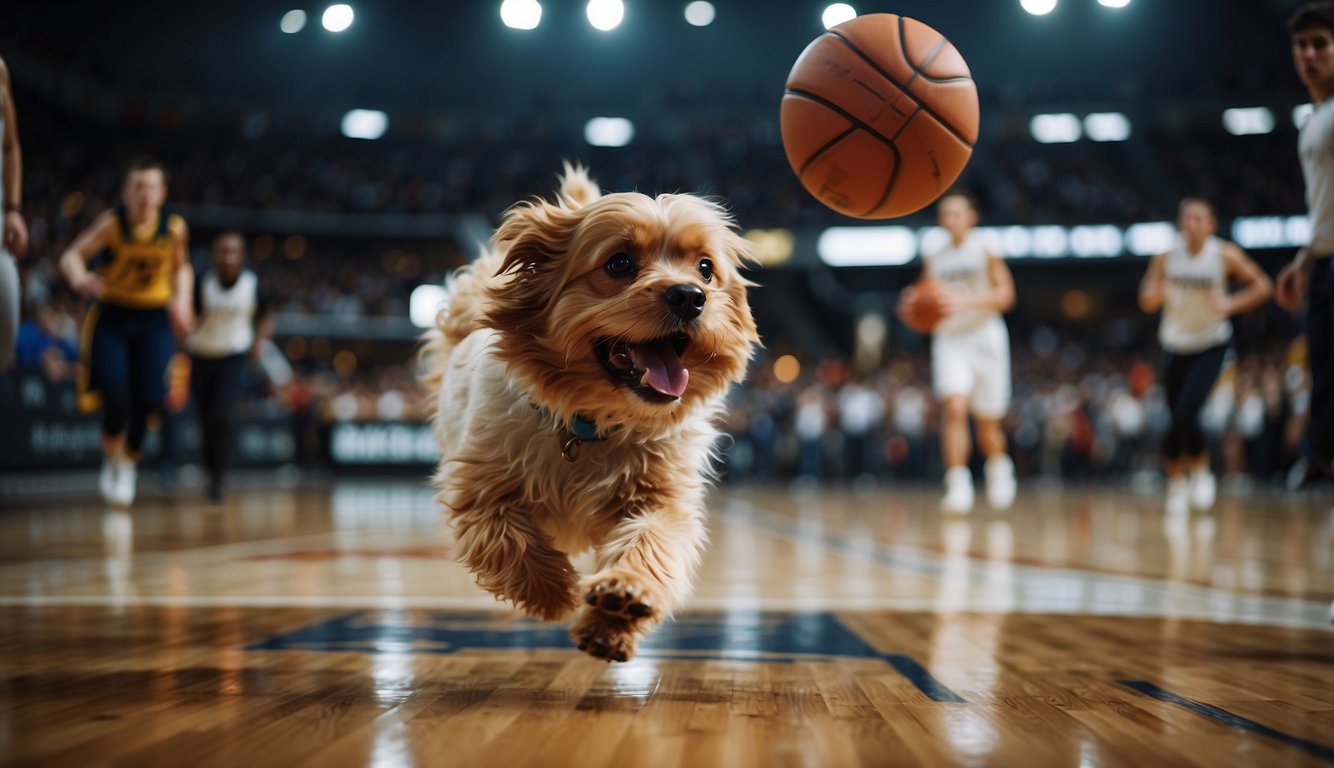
(522, 351)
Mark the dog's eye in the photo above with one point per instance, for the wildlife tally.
(620, 265)
(706, 270)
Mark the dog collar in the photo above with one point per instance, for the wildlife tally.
(579, 430)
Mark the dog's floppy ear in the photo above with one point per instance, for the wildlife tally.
(533, 237)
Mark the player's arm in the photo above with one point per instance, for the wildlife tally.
(1153, 286)
(181, 307)
(999, 299)
(263, 323)
(74, 261)
(1256, 285)
(906, 295)
(15, 229)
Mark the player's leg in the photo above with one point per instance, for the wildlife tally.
(1200, 377)
(1174, 378)
(108, 380)
(953, 381)
(149, 370)
(221, 416)
(990, 402)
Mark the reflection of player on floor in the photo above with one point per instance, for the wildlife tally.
(1190, 284)
(970, 355)
(232, 326)
(15, 241)
(143, 294)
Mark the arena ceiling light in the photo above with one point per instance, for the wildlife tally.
(605, 15)
(1058, 128)
(700, 13)
(293, 21)
(424, 304)
(365, 124)
(521, 14)
(1301, 113)
(1248, 121)
(837, 14)
(609, 131)
(337, 17)
(1107, 126)
(1038, 7)
(1114, 3)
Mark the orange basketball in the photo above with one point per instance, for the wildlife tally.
(920, 305)
(880, 116)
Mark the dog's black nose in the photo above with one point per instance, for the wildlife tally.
(685, 301)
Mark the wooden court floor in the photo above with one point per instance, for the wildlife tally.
(328, 626)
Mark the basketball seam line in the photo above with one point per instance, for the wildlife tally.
(921, 107)
(920, 71)
(856, 123)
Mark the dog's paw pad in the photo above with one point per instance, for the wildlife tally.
(605, 637)
(619, 597)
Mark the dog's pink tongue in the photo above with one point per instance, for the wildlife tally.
(662, 367)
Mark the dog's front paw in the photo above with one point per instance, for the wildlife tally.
(605, 637)
(621, 595)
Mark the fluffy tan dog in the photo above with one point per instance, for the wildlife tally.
(579, 366)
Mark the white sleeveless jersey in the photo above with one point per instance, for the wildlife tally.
(226, 316)
(964, 269)
(1189, 324)
(1315, 145)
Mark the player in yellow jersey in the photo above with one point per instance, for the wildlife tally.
(143, 292)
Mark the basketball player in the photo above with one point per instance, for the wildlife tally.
(143, 295)
(1312, 271)
(232, 326)
(15, 242)
(1190, 284)
(970, 355)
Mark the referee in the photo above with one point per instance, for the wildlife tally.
(232, 326)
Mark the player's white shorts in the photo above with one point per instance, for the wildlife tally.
(975, 364)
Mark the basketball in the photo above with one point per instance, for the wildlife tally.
(879, 117)
(920, 305)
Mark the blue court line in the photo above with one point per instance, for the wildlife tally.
(917, 674)
(1237, 722)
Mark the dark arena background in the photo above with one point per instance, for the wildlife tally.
(313, 614)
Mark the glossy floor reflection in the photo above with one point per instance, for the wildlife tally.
(328, 626)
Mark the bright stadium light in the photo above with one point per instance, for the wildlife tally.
(837, 14)
(424, 304)
(866, 246)
(1059, 128)
(521, 14)
(293, 21)
(1300, 113)
(700, 13)
(1038, 7)
(337, 17)
(1107, 126)
(365, 124)
(1248, 121)
(605, 15)
(1114, 3)
(609, 131)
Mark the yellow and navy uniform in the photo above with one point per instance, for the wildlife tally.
(138, 271)
(127, 339)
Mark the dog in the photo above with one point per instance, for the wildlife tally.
(577, 369)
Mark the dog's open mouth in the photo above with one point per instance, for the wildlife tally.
(651, 369)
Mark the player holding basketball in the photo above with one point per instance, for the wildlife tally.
(1190, 285)
(143, 294)
(1312, 270)
(970, 355)
(15, 241)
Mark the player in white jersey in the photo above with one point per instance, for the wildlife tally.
(1190, 285)
(970, 355)
(15, 241)
(1312, 271)
(232, 326)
